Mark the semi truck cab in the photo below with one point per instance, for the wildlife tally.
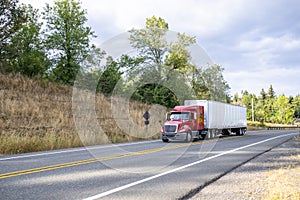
(183, 123)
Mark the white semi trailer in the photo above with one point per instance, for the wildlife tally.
(221, 117)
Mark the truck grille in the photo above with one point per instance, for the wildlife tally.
(170, 128)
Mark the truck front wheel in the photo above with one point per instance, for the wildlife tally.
(165, 140)
(189, 137)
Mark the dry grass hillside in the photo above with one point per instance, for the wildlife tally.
(37, 115)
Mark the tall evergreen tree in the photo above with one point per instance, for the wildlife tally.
(296, 107)
(263, 95)
(269, 108)
(271, 93)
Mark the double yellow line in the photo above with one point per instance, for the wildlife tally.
(93, 160)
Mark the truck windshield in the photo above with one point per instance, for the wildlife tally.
(179, 116)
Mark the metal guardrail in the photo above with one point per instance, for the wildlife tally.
(283, 127)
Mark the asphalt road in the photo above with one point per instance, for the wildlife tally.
(142, 170)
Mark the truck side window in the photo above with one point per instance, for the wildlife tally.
(192, 116)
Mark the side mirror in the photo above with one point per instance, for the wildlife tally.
(167, 116)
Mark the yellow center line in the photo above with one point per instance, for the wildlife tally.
(93, 160)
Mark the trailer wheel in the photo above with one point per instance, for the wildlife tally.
(203, 135)
(243, 131)
(225, 132)
(189, 137)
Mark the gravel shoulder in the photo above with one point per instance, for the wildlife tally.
(262, 178)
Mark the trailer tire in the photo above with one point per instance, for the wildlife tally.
(225, 132)
(243, 131)
(203, 135)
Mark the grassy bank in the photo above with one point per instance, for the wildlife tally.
(261, 125)
(36, 115)
(255, 125)
(283, 183)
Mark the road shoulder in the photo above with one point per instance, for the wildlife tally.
(258, 179)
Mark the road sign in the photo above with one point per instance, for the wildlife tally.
(146, 115)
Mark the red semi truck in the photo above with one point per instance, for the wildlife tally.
(198, 119)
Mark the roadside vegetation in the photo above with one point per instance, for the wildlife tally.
(269, 109)
(255, 125)
(283, 183)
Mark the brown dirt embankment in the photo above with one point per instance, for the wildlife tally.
(37, 115)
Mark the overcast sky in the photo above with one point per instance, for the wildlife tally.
(256, 41)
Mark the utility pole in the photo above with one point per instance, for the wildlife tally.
(252, 110)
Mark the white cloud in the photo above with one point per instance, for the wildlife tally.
(282, 43)
(201, 17)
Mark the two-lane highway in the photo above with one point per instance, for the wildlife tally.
(141, 170)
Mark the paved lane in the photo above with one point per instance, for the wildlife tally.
(142, 170)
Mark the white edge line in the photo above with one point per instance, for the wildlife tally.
(177, 169)
(75, 150)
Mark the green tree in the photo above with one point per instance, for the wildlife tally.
(271, 92)
(210, 84)
(179, 58)
(88, 77)
(31, 60)
(263, 95)
(247, 101)
(67, 38)
(259, 110)
(283, 110)
(236, 98)
(110, 77)
(269, 107)
(172, 92)
(12, 17)
(150, 41)
(296, 106)
(161, 60)
(260, 107)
